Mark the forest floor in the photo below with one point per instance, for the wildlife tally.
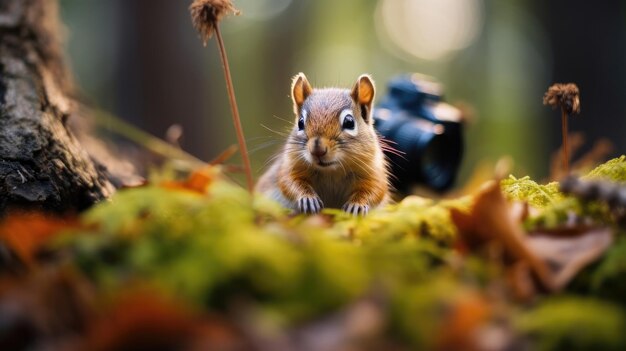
(198, 263)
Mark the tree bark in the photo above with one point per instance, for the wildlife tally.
(42, 164)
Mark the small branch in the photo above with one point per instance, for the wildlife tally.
(205, 16)
(565, 146)
(566, 96)
(224, 156)
(233, 106)
(110, 122)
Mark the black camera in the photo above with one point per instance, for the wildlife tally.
(426, 133)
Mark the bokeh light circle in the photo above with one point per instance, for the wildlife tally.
(430, 29)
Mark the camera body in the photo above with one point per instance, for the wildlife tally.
(426, 133)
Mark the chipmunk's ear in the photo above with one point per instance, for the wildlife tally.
(363, 94)
(300, 90)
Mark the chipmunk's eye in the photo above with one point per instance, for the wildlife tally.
(348, 122)
(301, 120)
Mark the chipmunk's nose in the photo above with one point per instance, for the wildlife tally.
(318, 150)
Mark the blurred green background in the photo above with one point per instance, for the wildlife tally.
(143, 61)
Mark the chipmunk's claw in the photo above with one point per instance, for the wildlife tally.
(310, 205)
(356, 209)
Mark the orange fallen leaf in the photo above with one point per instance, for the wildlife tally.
(459, 330)
(198, 181)
(145, 320)
(26, 232)
(553, 257)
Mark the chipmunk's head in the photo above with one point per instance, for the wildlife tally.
(333, 127)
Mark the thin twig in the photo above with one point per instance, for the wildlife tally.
(233, 106)
(565, 146)
(566, 96)
(118, 126)
(224, 156)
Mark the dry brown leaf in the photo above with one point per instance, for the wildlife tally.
(47, 308)
(490, 221)
(553, 257)
(460, 328)
(25, 233)
(568, 251)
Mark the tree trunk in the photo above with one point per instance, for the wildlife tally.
(42, 164)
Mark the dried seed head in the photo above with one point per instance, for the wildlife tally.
(565, 96)
(205, 14)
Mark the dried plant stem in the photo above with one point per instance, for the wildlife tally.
(566, 96)
(224, 156)
(116, 125)
(565, 146)
(233, 106)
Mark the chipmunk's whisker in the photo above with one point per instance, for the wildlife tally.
(264, 145)
(345, 172)
(283, 134)
(283, 119)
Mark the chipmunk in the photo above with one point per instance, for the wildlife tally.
(333, 155)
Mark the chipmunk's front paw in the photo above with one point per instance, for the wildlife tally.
(356, 209)
(310, 204)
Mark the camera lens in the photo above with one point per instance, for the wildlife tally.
(437, 164)
(426, 133)
(429, 152)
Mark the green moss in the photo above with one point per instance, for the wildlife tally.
(221, 248)
(608, 278)
(569, 323)
(555, 207)
(225, 247)
(614, 170)
(208, 249)
(525, 189)
(412, 217)
(418, 310)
